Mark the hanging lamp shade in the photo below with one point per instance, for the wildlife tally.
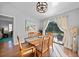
(41, 7)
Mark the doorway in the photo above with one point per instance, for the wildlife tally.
(6, 31)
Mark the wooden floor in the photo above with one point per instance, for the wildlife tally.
(8, 50)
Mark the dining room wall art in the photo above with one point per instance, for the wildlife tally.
(30, 26)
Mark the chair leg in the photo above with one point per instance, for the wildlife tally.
(52, 46)
(21, 55)
(48, 52)
(35, 53)
(41, 54)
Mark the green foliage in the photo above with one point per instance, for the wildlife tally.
(53, 27)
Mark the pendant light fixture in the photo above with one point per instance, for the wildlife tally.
(41, 7)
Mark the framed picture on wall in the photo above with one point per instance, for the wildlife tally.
(30, 26)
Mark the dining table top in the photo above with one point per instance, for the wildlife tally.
(34, 41)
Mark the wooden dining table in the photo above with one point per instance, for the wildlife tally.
(34, 41)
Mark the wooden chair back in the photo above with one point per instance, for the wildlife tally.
(27, 50)
(50, 34)
(45, 44)
(20, 46)
(39, 34)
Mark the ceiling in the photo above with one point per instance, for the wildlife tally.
(29, 8)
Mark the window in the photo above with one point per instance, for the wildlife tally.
(10, 27)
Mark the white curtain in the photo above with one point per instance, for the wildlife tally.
(45, 24)
(63, 25)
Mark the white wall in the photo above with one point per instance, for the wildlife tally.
(19, 21)
(19, 27)
(73, 17)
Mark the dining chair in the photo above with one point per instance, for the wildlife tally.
(51, 38)
(27, 50)
(43, 47)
